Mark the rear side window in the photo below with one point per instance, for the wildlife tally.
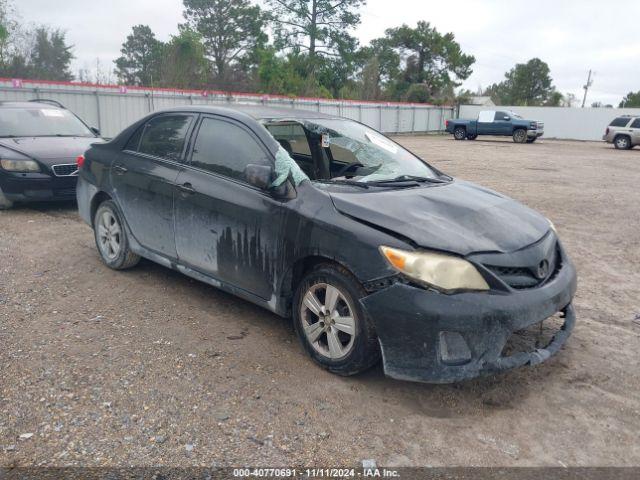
(164, 136)
(226, 148)
(636, 123)
(620, 122)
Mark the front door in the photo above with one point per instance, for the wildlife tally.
(226, 228)
(502, 124)
(143, 178)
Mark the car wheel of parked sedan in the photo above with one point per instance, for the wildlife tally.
(460, 133)
(331, 323)
(5, 203)
(520, 135)
(111, 238)
(622, 142)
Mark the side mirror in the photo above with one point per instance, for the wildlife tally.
(259, 176)
(95, 131)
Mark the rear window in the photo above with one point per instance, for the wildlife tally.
(164, 136)
(620, 122)
(636, 123)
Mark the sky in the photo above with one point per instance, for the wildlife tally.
(572, 36)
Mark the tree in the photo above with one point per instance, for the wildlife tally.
(632, 100)
(141, 58)
(51, 56)
(317, 28)
(184, 65)
(429, 58)
(525, 84)
(231, 30)
(379, 64)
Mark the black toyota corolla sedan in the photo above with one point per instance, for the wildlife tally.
(39, 145)
(372, 251)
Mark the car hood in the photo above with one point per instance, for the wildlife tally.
(50, 148)
(458, 217)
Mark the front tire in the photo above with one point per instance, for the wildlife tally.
(5, 203)
(111, 238)
(520, 135)
(531, 140)
(330, 322)
(460, 133)
(622, 142)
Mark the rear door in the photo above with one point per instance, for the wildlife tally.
(226, 228)
(485, 122)
(143, 178)
(635, 131)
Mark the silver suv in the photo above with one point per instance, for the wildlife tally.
(623, 132)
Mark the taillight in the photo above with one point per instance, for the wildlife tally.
(80, 161)
(446, 123)
(606, 132)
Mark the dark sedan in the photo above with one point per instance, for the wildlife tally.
(372, 251)
(39, 145)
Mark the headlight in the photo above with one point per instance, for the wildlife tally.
(444, 272)
(552, 226)
(19, 165)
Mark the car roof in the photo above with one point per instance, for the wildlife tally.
(31, 104)
(257, 112)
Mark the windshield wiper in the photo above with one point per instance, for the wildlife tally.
(409, 179)
(345, 182)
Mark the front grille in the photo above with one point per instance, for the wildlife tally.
(538, 335)
(65, 170)
(527, 277)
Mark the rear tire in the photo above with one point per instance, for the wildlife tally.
(460, 133)
(5, 203)
(622, 142)
(472, 137)
(111, 238)
(330, 322)
(520, 135)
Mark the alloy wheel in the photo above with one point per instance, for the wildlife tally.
(328, 320)
(109, 235)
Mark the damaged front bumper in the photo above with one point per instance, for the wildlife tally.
(437, 338)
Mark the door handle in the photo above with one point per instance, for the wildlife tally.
(119, 169)
(186, 189)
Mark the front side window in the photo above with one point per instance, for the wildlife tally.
(164, 136)
(500, 116)
(41, 122)
(225, 148)
(620, 122)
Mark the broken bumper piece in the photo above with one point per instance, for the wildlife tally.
(436, 338)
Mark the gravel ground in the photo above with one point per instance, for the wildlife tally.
(148, 367)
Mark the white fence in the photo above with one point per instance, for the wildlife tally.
(560, 122)
(111, 108)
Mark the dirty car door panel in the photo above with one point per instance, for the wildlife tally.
(226, 228)
(143, 178)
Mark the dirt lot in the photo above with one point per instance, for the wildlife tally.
(148, 367)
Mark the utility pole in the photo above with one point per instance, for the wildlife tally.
(586, 88)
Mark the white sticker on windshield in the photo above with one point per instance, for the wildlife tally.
(381, 142)
(49, 112)
(325, 140)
